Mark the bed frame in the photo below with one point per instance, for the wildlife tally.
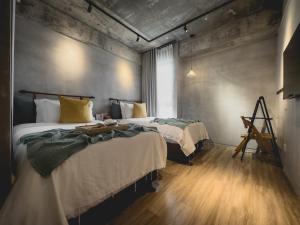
(109, 209)
(175, 153)
(117, 100)
(35, 93)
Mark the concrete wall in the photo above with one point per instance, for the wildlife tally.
(237, 32)
(289, 110)
(52, 62)
(227, 85)
(60, 20)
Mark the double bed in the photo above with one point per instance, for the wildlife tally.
(86, 179)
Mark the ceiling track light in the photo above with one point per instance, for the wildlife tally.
(185, 28)
(89, 8)
(137, 38)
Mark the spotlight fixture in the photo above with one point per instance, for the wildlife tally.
(89, 8)
(138, 38)
(185, 28)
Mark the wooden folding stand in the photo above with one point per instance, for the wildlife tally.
(266, 141)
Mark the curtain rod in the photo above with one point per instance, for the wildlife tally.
(139, 35)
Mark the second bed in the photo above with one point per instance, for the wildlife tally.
(182, 142)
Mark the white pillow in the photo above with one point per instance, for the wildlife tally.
(126, 110)
(47, 110)
(91, 105)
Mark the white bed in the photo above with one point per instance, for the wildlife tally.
(186, 138)
(82, 181)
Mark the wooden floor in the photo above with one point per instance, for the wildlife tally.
(217, 190)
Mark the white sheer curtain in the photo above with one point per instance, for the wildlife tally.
(166, 83)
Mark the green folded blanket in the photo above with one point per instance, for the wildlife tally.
(181, 123)
(47, 150)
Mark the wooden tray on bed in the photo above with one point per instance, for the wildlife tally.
(101, 128)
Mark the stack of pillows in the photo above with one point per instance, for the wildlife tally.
(126, 110)
(64, 110)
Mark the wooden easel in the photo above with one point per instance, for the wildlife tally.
(265, 141)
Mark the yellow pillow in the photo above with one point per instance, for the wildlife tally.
(139, 110)
(74, 110)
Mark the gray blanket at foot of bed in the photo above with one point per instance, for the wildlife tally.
(181, 123)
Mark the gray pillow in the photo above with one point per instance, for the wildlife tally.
(115, 111)
(24, 110)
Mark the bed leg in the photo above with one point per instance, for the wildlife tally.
(153, 183)
(78, 218)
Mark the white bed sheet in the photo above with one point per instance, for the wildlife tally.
(81, 182)
(186, 138)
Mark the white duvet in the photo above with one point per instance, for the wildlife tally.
(186, 138)
(82, 181)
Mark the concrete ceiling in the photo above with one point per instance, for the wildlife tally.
(153, 17)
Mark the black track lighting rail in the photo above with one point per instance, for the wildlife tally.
(139, 35)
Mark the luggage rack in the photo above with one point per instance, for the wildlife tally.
(253, 133)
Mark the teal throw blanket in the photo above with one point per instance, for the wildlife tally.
(181, 123)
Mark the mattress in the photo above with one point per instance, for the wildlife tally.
(186, 138)
(81, 182)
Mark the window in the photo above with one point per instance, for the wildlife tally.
(166, 83)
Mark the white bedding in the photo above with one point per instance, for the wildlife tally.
(186, 138)
(81, 182)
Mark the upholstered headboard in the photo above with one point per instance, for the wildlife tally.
(24, 107)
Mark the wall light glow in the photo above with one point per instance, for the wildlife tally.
(125, 75)
(69, 58)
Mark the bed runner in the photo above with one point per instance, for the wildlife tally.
(181, 123)
(47, 150)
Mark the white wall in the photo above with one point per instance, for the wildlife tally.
(289, 110)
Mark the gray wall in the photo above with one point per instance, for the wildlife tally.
(227, 85)
(289, 110)
(51, 62)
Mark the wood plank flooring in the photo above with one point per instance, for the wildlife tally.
(217, 190)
